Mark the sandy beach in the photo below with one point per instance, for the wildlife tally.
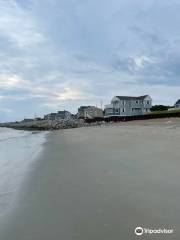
(100, 183)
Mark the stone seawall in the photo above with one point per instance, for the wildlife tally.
(44, 125)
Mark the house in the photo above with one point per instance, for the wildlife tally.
(128, 106)
(81, 111)
(177, 104)
(38, 119)
(63, 115)
(59, 116)
(50, 116)
(27, 120)
(89, 112)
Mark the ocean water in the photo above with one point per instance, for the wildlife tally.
(18, 150)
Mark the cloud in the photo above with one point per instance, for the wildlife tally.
(6, 110)
(61, 54)
(9, 81)
(18, 26)
(71, 94)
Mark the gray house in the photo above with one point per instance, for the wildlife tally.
(50, 116)
(63, 115)
(59, 116)
(128, 106)
(89, 112)
(177, 104)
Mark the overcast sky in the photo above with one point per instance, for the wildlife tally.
(59, 54)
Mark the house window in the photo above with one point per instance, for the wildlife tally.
(136, 101)
(147, 102)
(123, 109)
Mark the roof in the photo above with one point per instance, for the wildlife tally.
(50, 114)
(178, 102)
(132, 98)
(84, 107)
(62, 112)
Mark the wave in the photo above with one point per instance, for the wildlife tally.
(8, 134)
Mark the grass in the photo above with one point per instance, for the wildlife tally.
(165, 111)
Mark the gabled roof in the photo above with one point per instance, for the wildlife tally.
(178, 102)
(51, 114)
(132, 98)
(62, 112)
(84, 107)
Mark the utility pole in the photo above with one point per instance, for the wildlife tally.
(101, 104)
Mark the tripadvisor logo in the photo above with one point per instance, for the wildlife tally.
(140, 231)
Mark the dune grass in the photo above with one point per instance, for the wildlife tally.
(165, 111)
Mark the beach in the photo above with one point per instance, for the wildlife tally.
(100, 183)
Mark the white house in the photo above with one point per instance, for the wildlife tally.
(128, 106)
(177, 104)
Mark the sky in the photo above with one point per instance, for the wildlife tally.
(60, 54)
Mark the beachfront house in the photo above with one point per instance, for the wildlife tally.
(50, 116)
(59, 116)
(63, 115)
(89, 112)
(128, 106)
(177, 104)
(27, 120)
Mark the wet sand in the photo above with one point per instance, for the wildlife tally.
(99, 183)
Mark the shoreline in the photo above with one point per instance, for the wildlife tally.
(86, 185)
(19, 151)
(49, 125)
(54, 126)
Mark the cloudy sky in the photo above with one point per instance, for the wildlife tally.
(59, 54)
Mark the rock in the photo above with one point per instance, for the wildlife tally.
(47, 125)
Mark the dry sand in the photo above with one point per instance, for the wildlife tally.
(99, 183)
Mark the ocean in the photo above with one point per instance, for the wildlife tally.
(18, 150)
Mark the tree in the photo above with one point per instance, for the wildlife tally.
(159, 108)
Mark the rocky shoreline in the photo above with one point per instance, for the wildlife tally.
(47, 125)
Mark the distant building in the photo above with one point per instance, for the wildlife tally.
(61, 115)
(177, 104)
(81, 111)
(74, 116)
(50, 116)
(128, 106)
(28, 120)
(89, 112)
(38, 119)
